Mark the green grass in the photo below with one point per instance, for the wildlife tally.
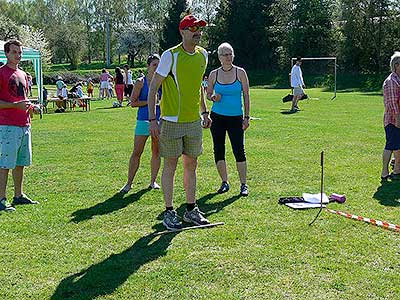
(85, 242)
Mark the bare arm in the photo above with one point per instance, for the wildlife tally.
(151, 102)
(23, 104)
(210, 89)
(246, 97)
(206, 123)
(137, 88)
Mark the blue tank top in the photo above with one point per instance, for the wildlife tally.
(143, 111)
(231, 98)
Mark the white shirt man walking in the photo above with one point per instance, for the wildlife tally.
(297, 83)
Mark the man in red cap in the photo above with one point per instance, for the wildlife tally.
(180, 72)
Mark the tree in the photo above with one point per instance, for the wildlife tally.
(369, 30)
(8, 29)
(170, 33)
(311, 28)
(132, 41)
(34, 38)
(246, 25)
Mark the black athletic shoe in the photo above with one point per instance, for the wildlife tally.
(224, 187)
(23, 199)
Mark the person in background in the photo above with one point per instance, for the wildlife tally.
(90, 87)
(104, 78)
(227, 86)
(139, 99)
(61, 103)
(391, 119)
(59, 86)
(15, 126)
(128, 83)
(297, 83)
(110, 89)
(119, 85)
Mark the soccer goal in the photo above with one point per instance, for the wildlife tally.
(329, 60)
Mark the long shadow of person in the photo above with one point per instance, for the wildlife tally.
(388, 193)
(209, 208)
(106, 276)
(116, 202)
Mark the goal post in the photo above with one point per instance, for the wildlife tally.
(333, 58)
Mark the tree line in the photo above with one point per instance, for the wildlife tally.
(265, 34)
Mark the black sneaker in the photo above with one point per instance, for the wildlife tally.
(224, 187)
(244, 190)
(23, 199)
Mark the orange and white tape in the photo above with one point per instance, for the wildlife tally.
(383, 224)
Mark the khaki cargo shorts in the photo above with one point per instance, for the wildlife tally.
(181, 138)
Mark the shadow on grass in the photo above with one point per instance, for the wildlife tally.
(116, 202)
(388, 193)
(105, 277)
(209, 208)
(288, 112)
(109, 107)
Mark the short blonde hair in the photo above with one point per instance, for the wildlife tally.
(225, 46)
(394, 60)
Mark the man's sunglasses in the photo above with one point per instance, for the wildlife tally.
(194, 28)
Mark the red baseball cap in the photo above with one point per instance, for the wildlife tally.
(191, 20)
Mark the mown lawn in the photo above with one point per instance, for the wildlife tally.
(85, 242)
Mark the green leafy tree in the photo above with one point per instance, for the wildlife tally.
(246, 25)
(170, 33)
(311, 28)
(370, 28)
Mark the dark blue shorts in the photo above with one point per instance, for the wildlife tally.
(392, 137)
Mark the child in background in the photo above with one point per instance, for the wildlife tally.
(90, 87)
(110, 89)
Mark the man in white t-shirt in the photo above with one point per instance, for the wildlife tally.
(297, 83)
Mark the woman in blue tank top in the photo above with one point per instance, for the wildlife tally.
(226, 86)
(139, 99)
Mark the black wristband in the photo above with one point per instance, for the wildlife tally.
(205, 113)
(154, 119)
(247, 117)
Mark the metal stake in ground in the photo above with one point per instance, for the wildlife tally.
(378, 223)
(322, 187)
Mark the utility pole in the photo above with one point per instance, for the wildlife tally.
(108, 38)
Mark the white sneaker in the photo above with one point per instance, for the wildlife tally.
(154, 186)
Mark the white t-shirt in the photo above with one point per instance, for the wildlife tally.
(296, 77)
(129, 77)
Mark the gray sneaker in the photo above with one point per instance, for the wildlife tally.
(195, 216)
(171, 220)
(4, 206)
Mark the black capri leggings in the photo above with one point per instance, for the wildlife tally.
(233, 125)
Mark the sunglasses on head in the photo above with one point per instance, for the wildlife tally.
(194, 28)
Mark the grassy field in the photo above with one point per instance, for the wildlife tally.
(86, 242)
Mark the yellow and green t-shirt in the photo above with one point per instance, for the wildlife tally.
(183, 74)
